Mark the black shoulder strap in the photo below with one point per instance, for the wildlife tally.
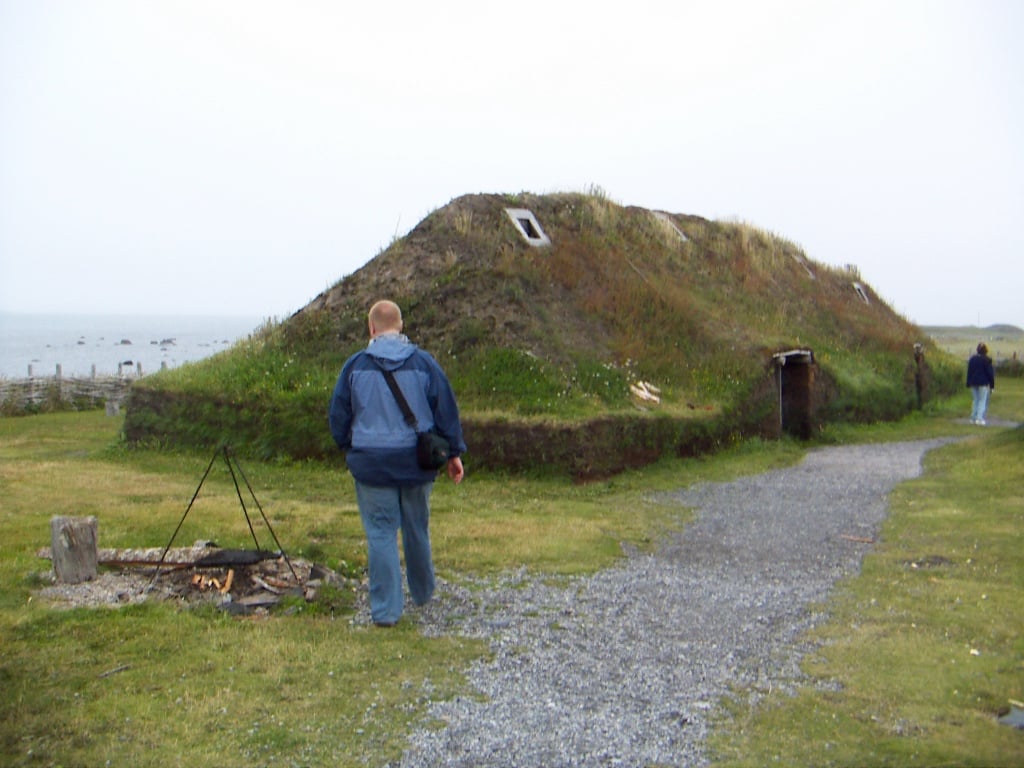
(410, 419)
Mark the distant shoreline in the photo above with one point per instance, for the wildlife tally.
(80, 344)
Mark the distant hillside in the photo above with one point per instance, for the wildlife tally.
(1001, 329)
(554, 315)
(1005, 342)
(988, 332)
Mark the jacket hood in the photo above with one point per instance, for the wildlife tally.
(390, 350)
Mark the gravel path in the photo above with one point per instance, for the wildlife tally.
(626, 667)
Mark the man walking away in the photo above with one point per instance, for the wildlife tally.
(392, 491)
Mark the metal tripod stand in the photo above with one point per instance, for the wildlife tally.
(235, 469)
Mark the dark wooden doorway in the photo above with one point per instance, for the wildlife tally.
(795, 381)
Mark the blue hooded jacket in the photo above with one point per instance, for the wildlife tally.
(367, 423)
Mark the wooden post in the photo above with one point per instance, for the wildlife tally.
(73, 547)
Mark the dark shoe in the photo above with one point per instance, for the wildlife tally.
(383, 624)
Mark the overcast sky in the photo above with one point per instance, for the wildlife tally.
(239, 157)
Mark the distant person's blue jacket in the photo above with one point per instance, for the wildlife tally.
(367, 423)
(980, 372)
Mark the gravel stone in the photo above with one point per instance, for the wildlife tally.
(629, 666)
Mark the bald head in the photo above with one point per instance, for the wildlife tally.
(385, 317)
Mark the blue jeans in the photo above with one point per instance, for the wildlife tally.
(980, 404)
(385, 510)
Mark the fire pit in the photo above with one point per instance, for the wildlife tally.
(238, 581)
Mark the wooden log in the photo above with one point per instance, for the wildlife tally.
(73, 546)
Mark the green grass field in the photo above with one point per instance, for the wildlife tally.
(918, 661)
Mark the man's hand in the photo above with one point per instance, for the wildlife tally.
(455, 470)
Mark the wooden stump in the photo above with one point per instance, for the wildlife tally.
(73, 547)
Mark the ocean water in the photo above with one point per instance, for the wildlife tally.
(79, 342)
